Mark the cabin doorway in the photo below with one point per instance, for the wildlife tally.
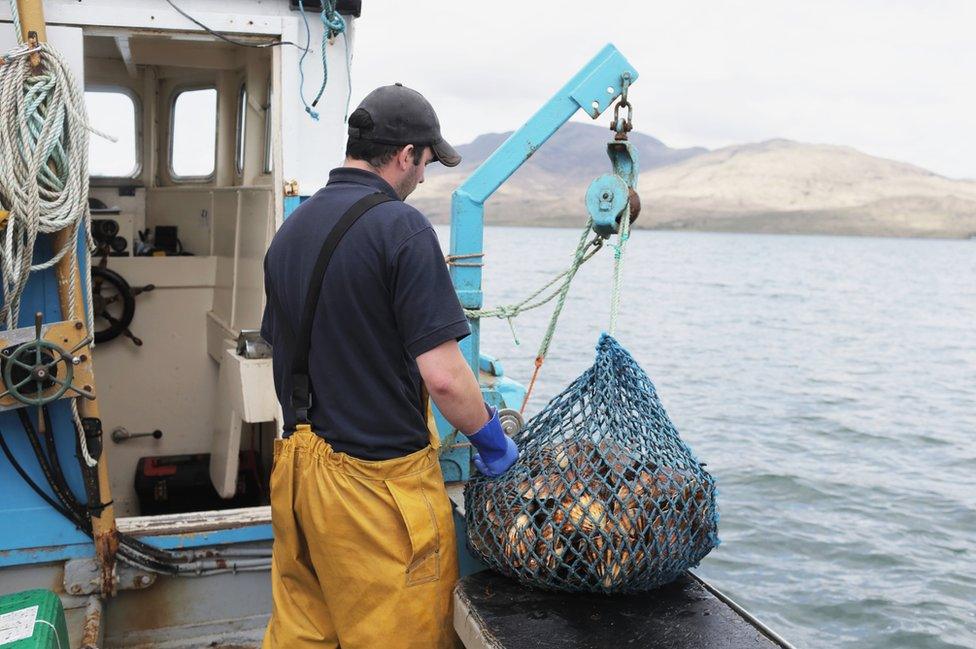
(183, 207)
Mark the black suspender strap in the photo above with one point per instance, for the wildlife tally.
(301, 389)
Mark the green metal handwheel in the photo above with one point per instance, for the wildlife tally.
(32, 368)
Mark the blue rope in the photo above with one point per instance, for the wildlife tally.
(333, 24)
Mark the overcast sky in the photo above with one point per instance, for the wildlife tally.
(894, 78)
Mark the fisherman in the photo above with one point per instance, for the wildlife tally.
(364, 545)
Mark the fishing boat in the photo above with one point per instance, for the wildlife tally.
(137, 418)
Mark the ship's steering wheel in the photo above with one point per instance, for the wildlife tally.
(114, 302)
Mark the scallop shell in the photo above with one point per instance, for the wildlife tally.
(608, 569)
(519, 538)
(587, 513)
(546, 487)
(646, 483)
(615, 457)
(490, 511)
(633, 521)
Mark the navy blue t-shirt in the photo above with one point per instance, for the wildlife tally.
(386, 298)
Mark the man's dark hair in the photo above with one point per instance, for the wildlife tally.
(377, 155)
(374, 153)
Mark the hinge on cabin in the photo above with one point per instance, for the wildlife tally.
(291, 188)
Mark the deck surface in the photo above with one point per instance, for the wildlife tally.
(495, 612)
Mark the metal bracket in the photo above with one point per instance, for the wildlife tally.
(84, 577)
(625, 161)
(594, 94)
(251, 345)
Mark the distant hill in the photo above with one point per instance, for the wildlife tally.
(549, 188)
(777, 186)
(575, 150)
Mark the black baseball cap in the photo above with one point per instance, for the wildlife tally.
(397, 115)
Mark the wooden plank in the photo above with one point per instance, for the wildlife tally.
(194, 522)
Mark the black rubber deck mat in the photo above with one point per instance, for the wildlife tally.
(680, 615)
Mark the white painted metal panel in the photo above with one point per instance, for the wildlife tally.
(256, 214)
(248, 17)
(313, 148)
(245, 394)
(189, 209)
(168, 384)
(166, 272)
(225, 214)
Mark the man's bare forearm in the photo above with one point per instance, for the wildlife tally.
(453, 387)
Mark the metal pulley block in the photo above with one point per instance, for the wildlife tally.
(612, 195)
(606, 200)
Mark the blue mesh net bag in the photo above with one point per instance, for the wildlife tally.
(605, 497)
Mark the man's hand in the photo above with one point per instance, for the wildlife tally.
(496, 450)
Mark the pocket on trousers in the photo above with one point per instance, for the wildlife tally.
(421, 526)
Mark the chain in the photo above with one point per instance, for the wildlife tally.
(619, 125)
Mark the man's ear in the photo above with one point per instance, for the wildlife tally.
(405, 157)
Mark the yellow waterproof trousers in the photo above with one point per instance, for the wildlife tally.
(364, 552)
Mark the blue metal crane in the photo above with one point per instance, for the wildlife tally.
(593, 89)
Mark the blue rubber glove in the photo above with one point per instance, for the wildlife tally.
(496, 450)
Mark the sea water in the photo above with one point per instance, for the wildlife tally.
(829, 383)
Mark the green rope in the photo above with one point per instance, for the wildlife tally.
(618, 263)
(578, 260)
(584, 252)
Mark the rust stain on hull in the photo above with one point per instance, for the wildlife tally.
(106, 545)
(91, 631)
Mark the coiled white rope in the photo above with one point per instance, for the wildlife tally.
(43, 173)
(43, 179)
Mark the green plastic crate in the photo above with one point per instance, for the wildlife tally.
(32, 619)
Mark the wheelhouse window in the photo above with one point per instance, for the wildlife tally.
(241, 125)
(193, 134)
(113, 112)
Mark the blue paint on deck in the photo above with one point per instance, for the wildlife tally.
(29, 522)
